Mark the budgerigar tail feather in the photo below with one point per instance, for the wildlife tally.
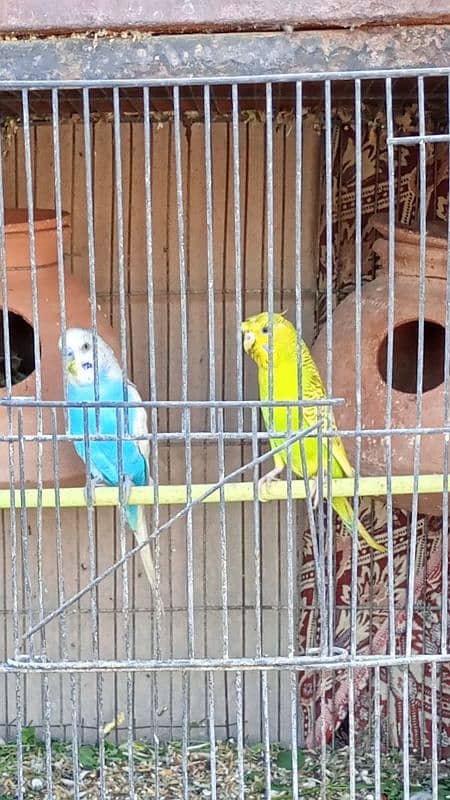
(132, 516)
(141, 534)
(344, 510)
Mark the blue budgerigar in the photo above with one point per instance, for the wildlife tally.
(78, 359)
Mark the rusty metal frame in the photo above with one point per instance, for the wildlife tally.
(199, 15)
(240, 57)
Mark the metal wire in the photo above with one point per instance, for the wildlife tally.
(227, 80)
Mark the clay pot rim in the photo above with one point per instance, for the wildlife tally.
(16, 219)
(436, 231)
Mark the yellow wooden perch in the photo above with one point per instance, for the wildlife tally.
(242, 492)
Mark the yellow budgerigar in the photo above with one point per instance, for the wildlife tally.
(286, 387)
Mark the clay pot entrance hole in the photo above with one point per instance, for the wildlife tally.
(21, 345)
(404, 367)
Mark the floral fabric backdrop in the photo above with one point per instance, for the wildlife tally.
(373, 599)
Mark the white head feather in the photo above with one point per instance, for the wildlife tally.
(79, 356)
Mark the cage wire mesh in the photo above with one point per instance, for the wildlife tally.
(288, 660)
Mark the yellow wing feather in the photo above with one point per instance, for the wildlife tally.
(313, 388)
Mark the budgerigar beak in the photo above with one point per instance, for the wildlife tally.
(72, 367)
(249, 340)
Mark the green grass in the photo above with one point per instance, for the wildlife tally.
(312, 776)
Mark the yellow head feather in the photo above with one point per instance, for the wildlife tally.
(256, 339)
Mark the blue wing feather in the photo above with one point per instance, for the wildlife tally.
(104, 456)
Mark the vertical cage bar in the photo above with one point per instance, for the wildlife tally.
(59, 227)
(351, 734)
(123, 426)
(47, 735)
(256, 537)
(434, 734)
(238, 279)
(4, 297)
(38, 389)
(212, 734)
(120, 413)
(25, 547)
(185, 725)
(270, 248)
(12, 479)
(185, 427)
(181, 245)
(417, 439)
(298, 223)
(90, 509)
(39, 421)
(32, 238)
(223, 536)
(327, 412)
(389, 363)
(20, 681)
(189, 539)
(154, 422)
(420, 349)
(63, 615)
(358, 379)
(290, 549)
(7, 389)
(91, 242)
(293, 680)
(237, 250)
(266, 735)
(324, 779)
(271, 374)
(405, 730)
(120, 243)
(12, 513)
(74, 680)
(62, 618)
(377, 733)
(240, 735)
(316, 536)
(299, 319)
(184, 366)
(210, 252)
(445, 514)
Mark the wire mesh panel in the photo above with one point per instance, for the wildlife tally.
(286, 649)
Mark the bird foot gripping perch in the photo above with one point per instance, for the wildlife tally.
(127, 486)
(89, 490)
(266, 481)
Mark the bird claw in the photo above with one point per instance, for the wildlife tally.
(265, 483)
(127, 485)
(91, 485)
(315, 493)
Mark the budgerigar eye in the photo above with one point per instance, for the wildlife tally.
(265, 330)
(85, 347)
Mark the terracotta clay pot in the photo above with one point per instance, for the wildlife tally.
(374, 311)
(20, 314)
